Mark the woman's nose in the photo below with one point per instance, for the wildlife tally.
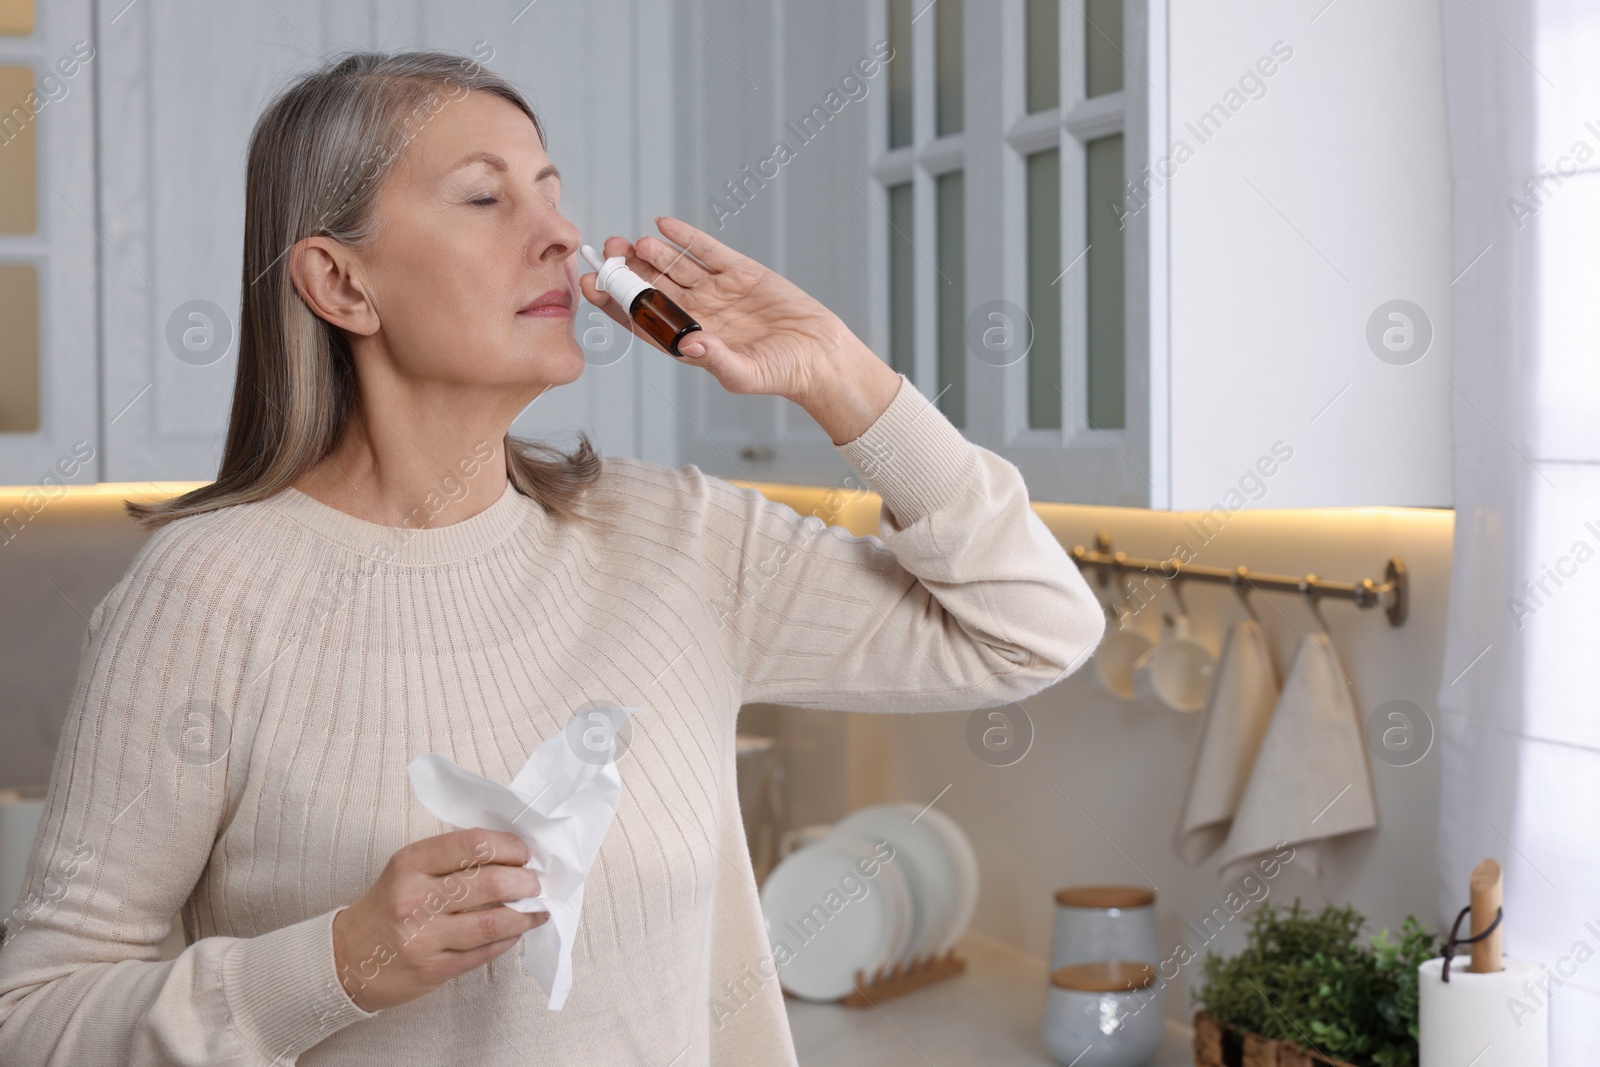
(555, 237)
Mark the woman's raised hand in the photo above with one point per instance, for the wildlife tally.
(760, 333)
(437, 910)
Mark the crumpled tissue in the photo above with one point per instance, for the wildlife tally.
(561, 803)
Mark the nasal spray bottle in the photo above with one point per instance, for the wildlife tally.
(657, 316)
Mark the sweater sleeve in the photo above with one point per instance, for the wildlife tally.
(963, 600)
(136, 799)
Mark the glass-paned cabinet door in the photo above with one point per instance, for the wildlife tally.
(1001, 167)
(49, 397)
(1075, 417)
(1070, 144)
(921, 183)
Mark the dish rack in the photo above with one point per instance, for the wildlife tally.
(903, 977)
(888, 983)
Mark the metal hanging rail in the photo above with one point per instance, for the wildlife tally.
(1392, 592)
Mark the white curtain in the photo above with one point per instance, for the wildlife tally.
(1519, 700)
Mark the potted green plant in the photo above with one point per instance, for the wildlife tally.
(1306, 991)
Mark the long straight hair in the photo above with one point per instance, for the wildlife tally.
(319, 155)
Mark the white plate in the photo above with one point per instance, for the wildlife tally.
(831, 928)
(930, 868)
(893, 881)
(966, 861)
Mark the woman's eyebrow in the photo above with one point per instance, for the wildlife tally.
(547, 171)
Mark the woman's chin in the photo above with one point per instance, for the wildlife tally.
(574, 361)
(554, 362)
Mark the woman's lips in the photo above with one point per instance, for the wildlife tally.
(552, 304)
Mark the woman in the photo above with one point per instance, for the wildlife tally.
(380, 572)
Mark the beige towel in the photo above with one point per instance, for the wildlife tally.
(1238, 709)
(1310, 781)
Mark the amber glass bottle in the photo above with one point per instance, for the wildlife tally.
(657, 317)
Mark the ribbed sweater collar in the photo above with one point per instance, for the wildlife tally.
(450, 543)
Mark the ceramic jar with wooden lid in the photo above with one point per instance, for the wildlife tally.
(1104, 1014)
(1104, 922)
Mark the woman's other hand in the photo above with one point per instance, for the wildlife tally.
(437, 910)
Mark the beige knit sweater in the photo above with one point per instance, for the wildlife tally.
(252, 690)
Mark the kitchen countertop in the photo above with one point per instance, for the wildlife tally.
(988, 1015)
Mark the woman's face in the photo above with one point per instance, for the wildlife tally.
(470, 234)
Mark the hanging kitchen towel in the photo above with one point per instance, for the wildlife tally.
(1310, 781)
(560, 804)
(1242, 697)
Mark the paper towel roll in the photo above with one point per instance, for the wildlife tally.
(1487, 1020)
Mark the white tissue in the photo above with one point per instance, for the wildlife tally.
(561, 803)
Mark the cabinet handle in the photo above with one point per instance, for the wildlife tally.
(756, 453)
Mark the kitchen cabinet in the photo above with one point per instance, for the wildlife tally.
(1212, 242)
(1275, 231)
(183, 82)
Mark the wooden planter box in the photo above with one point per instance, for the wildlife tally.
(1219, 1045)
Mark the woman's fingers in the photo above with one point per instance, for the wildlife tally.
(485, 886)
(469, 869)
(462, 850)
(468, 930)
(619, 246)
(644, 268)
(677, 264)
(473, 958)
(602, 299)
(735, 372)
(713, 253)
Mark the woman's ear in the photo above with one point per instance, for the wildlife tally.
(324, 274)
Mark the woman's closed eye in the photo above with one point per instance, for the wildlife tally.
(486, 201)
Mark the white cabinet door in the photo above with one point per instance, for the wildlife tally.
(185, 81)
(50, 413)
(1310, 255)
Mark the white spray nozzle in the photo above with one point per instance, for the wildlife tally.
(614, 277)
